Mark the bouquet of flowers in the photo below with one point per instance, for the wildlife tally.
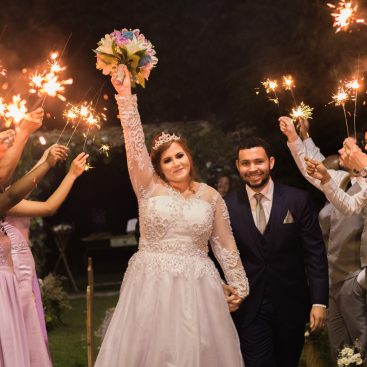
(130, 48)
(350, 355)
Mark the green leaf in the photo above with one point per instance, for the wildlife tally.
(134, 61)
(140, 53)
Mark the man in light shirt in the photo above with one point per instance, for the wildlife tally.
(280, 242)
(345, 239)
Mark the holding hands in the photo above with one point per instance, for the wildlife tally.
(233, 300)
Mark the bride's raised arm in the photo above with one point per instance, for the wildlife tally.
(139, 164)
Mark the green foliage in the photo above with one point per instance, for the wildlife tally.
(55, 300)
(37, 236)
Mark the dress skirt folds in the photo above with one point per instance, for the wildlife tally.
(167, 319)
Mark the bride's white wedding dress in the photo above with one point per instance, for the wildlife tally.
(172, 311)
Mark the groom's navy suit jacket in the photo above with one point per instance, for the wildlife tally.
(289, 259)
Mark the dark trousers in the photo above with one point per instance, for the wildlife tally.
(268, 343)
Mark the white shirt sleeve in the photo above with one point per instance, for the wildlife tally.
(299, 151)
(347, 204)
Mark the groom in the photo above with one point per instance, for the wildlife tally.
(279, 238)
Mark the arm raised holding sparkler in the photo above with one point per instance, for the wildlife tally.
(29, 208)
(27, 126)
(306, 148)
(350, 156)
(16, 192)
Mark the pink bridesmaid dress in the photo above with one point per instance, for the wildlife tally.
(13, 337)
(24, 269)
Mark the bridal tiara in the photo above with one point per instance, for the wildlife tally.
(164, 138)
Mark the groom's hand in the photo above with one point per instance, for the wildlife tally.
(318, 316)
(232, 298)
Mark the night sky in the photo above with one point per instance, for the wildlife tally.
(212, 55)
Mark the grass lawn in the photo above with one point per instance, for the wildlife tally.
(68, 342)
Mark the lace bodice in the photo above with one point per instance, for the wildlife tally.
(171, 223)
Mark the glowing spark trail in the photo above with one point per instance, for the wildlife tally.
(302, 111)
(345, 15)
(340, 98)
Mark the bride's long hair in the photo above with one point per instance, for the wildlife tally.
(156, 154)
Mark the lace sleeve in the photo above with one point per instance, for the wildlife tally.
(138, 161)
(225, 249)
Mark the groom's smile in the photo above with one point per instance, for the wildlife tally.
(254, 166)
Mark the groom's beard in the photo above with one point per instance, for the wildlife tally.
(262, 183)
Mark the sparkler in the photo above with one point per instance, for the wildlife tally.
(104, 148)
(71, 115)
(87, 114)
(340, 98)
(47, 83)
(92, 120)
(288, 84)
(15, 111)
(302, 111)
(345, 15)
(271, 87)
(353, 85)
(87, 167)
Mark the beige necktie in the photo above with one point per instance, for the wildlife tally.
(260, 214)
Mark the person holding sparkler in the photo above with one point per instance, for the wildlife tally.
(172, 309)
(14, 351)
(26, 127)
(343, 234)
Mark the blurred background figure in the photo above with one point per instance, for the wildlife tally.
(223, 184)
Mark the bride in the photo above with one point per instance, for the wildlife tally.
(172, 311)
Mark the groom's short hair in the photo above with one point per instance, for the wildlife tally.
(254, 142)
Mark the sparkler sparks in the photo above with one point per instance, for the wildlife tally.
(345, 15)
(87, 167)
(288, 82)
(270, 85)
(341, 97)
(15, 111)
(352, 84)
(302, 111)
(104, 148)
(47, 83)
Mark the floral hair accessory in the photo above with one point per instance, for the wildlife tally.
(164, 138)
(130, 48)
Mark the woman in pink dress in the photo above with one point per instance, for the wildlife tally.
(13, 340)
(24, 265)
(14, 351)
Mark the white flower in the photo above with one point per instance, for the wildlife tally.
(105, 45)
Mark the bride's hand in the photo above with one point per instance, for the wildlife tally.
(122, 88)
(233, 300)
